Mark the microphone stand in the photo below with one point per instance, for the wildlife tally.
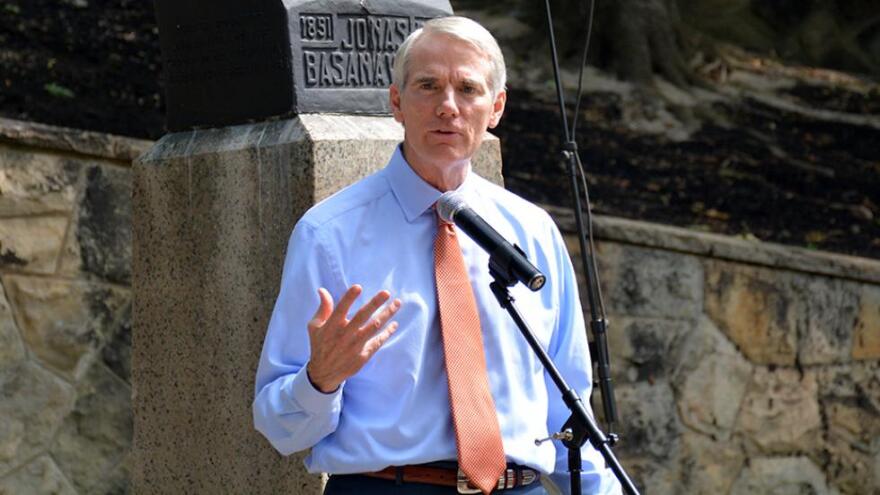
(598, 323)
(580, 427)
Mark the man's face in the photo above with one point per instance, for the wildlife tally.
(446, 104)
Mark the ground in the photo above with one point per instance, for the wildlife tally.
(797, 165)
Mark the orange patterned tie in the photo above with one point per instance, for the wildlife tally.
(477, 434)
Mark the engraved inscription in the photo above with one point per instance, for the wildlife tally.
(316, 27)
(358, 53)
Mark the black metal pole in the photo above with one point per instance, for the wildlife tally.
(598, 324)
(580, 420)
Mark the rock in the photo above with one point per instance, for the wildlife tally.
(102, 245)
(97, 434)
(780, 412)
(649, 432)
(41, 477)
(829, 310)
(866, 333)
(850, 440)
(33, 402)
(64, 323)
(11, 348)
(650, 283)
(708, 466)
(781, 476)
(34, 183)
(710, 381)
(850, 400)
(116, 482)
(756, 309)
(31, 244)
(640, 348)
(859, 383)
(117, 353)
(649, 429)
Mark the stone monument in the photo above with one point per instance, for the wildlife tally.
(273, 106)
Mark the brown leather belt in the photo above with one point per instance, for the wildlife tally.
(513, 477)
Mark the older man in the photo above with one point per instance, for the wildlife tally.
(428, 386)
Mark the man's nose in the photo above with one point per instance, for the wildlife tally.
(447, 106)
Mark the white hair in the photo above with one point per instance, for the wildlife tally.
(460, 28)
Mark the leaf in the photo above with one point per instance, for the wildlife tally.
(58, 90)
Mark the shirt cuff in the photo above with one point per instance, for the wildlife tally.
(311, 399)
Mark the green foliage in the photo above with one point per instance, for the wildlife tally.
(58, 91)
(12, 8)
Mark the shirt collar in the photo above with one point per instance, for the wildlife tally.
(414, 195)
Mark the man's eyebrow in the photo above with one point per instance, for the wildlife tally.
(471, 82)
(424, 79)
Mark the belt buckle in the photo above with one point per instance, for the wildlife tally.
(464, 485)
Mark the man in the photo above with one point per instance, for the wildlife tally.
(384, 393)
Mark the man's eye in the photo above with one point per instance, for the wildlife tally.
(427, 85)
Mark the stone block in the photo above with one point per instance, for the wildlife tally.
(780, 412)
(100, 244)
(866, 335)
(116, 482)
(850, 399)
(117, 353)
(711, 379)
(829, 309)
(650, 426)
(782, 476)
(649, 283)
(708, 466)
(33, 183)
(849, 447)
(642, 349)
(96, 435)
(649, 432)
(11, 347)
(859, 383)
(33, 403)
(64, 323)
(40, 477)
(31, 244)
(756, 309)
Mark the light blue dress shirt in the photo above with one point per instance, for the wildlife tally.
(379, 233)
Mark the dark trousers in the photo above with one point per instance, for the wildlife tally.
(358, 484)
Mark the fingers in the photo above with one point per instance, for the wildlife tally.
(367, 310)
(325, 309)
(376, 342)
(340, 313)
(382, 318)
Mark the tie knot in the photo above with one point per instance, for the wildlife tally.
(441, 223)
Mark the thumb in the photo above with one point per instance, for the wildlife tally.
(325, 307)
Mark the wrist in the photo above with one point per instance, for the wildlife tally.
(320, 385)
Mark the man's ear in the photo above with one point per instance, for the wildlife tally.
(498, 108)
(394, 100)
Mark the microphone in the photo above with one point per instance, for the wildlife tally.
(505, 259)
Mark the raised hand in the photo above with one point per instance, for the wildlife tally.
(340, 347)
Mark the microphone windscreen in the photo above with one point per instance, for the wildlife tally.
(449, 204)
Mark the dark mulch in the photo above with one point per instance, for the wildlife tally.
(95, 64)
(774, 175)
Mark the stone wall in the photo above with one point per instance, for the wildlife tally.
(65, 304)
(740, 367)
